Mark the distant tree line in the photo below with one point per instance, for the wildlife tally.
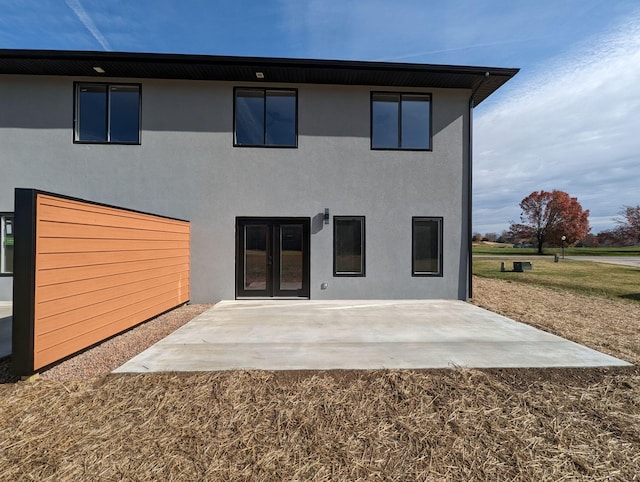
(627, 231)
(548, 216)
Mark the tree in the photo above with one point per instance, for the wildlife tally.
(613, 238)
(589, 241)
(629, 223)
(505, 237)
(491, 237)
(547, 216)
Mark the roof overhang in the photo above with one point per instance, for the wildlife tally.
(244, 69)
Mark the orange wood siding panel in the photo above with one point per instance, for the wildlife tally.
(101, 270)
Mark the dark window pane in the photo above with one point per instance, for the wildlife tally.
(256, 260)
(415, 122)
(426, 246)
(281, 118)
(92, 113)
(6, 246)
(348, 245)
(291, 257)
(384, 122)
(124, 114)
(250, 117)
(108, 113)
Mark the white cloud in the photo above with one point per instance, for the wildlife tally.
(86, 20)
(575, 126)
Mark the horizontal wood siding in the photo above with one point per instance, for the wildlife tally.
(100, 270)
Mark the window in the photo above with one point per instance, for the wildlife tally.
(427, 247)
(107, 113)
(6, 243)
(400, 121)
(348, 245)
(266, 117)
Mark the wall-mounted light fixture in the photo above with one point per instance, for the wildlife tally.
(326, 215)
(260, 75)
(99, 70)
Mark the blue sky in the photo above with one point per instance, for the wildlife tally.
(569, 120)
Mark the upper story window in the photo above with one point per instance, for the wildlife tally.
(6, 243)
(107, 113)
(266, 117)
(400, 121)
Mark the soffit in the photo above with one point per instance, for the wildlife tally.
(243, 69)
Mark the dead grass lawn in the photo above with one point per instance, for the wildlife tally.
(434, 425)
(501, 424)
(608, 325)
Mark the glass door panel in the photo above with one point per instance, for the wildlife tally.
(256, 257)
(291, 257)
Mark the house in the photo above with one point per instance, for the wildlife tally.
(300, 178)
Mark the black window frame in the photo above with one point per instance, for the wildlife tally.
(440, 221)
(5, 214)
(350, 274)
(108, 85)
(401, 94)
(264, 144)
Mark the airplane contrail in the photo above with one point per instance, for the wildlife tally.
(457, 49)
(84, 17)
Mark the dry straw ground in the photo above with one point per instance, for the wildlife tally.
(463, 424)
(611, 326)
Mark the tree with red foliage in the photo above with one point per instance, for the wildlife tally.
(630, 223)
(547, 216)
(613, 238)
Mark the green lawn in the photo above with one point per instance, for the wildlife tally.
(510, 251)
(596, 279)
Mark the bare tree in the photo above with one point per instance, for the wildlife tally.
(629, 223)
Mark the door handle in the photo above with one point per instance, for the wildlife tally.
(270, 261)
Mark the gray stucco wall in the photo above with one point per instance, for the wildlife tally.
(188, 168)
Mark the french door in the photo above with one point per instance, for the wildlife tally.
(272, 257)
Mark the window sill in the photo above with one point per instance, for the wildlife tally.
(266, 146)
(101, 143)
(401, 149)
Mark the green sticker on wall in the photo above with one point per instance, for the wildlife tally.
(8, 241)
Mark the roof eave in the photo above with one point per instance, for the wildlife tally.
(281, 70)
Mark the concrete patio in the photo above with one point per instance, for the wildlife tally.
(363, 334)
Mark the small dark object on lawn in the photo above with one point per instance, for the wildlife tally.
(520, 266)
